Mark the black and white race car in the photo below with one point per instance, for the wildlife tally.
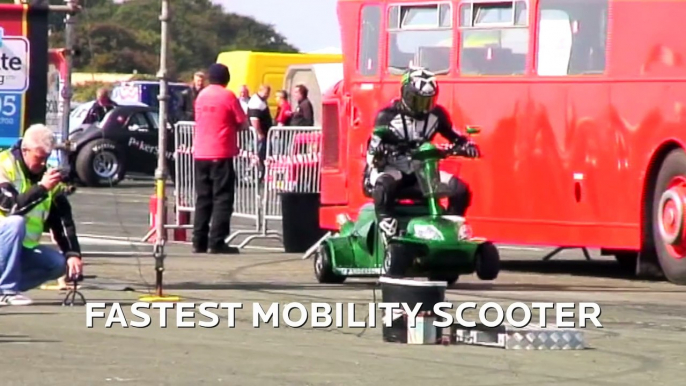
(124, 143)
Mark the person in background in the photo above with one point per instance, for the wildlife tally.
(33, 199)
(189, 96)
(103, 105)
(219, 118)
(283, 109)
(261, 121)
(304, 113)
(244, 98)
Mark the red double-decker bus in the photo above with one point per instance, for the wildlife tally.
(581, 103)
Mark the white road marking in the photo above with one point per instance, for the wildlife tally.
(258, 248)
(516, 248)
(91, 239)
(106, 237)
(113, 193)
(117, 225)
(116, 253)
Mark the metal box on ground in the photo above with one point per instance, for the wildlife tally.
(506, 336)
(412, 292)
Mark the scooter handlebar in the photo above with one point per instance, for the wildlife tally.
(452, 151)
(460, 151)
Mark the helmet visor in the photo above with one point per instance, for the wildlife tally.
(419, 103)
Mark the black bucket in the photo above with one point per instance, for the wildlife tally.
(300, 224)
(411, 292)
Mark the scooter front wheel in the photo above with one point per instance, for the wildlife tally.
(323, 267)
(397, 261)
(487, 261)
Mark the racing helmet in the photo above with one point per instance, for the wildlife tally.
(419, 91)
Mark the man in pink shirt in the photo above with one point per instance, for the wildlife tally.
(218, 119)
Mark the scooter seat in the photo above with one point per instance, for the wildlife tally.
(411, 196)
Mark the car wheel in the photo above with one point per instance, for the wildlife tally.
(99, 163)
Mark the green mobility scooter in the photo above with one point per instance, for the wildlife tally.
(430, 244)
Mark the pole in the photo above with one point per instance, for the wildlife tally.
(67, 93)
(161, 172)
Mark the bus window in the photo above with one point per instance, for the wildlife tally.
(494, 38)
(420, 36)
(572, 37)
(369, 40)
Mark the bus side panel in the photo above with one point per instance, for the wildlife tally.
(546, 163)
(642, 125)
(501, 190)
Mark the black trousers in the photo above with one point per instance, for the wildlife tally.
(262, 155)
(386, 191)
(214, 186)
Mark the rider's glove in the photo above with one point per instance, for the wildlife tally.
(378, 156)
(470, 150)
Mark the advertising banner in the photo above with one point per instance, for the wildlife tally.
(54, 108)
(23, 70)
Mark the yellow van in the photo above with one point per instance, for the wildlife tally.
(255, 68)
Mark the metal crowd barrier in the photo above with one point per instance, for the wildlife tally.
(248, 202)
(291, 164)
(184, 171)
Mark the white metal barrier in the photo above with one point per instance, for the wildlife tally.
(248, 202)
(184, 170)
(291, 164)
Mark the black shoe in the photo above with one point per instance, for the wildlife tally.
(198, 250)
(223, 250)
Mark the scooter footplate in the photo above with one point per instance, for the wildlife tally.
(508, 337)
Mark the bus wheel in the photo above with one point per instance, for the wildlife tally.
(669, 209)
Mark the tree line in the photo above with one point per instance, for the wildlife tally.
(125, 37)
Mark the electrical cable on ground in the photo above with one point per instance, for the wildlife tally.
(134, 249)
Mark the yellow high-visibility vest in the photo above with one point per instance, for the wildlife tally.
(35, 219)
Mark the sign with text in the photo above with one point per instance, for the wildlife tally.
(14, 81)
(14, 63)
(23, 68)
(10, 114)
(54, 111)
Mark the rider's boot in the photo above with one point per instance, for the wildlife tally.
(460, 199)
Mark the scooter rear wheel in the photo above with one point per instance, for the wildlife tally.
(487, 261)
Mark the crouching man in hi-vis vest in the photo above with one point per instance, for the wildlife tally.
(32, 200)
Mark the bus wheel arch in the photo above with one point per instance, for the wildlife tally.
(661, 204)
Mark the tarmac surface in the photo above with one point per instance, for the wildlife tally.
(641, 342)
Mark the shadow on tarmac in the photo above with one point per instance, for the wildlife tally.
(270, 286)
(24, 339)
(600, 269)
(369, 285)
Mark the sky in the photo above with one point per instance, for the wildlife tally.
(309, 25)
